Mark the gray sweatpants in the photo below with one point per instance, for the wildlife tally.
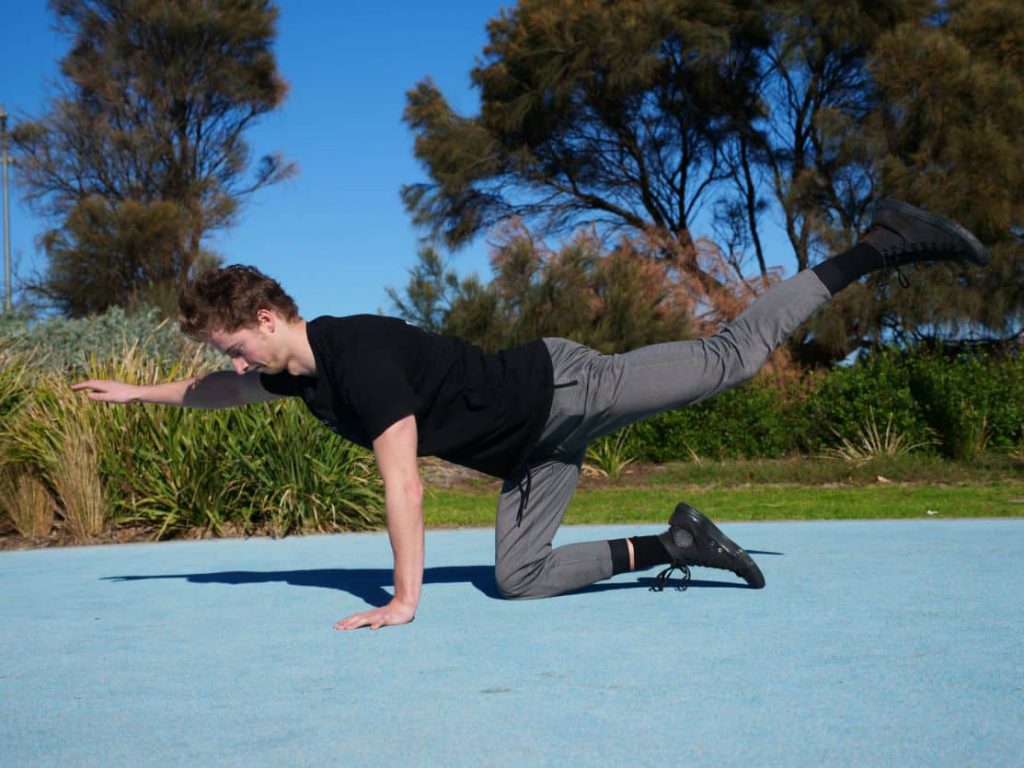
(596, 394)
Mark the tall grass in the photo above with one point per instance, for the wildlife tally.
(609, 456)
(52, 439)
(76, 479)
(871, 443)
(27, 503)
(264, 468)
(301, 475)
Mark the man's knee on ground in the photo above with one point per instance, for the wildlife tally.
(514, 581)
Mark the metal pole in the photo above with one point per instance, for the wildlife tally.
(7, 212)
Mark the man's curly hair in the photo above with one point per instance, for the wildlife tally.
(227, 299)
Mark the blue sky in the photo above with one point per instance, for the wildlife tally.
(337, 234)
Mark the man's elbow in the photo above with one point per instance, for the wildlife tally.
(408, 490)
(414, 491)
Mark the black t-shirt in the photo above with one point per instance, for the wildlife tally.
(484, 411)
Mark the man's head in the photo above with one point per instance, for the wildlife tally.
(228, 298)
(241, 312)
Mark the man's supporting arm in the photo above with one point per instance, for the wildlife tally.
(221, 389)
(395, 450)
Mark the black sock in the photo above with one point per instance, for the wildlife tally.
(648, 551)
(849, 266)
(620, 555)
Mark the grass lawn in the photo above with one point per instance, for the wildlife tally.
(793, 489)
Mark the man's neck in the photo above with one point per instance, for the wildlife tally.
(300, 360)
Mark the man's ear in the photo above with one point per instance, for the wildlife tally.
(266, 319)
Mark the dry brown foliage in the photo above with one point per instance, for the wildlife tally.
(76, 480)
(27, 503)
(712, 285)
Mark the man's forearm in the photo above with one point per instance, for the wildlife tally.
(395, 450)
(405, 529)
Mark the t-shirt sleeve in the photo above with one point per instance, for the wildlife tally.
(379, 392)
(281, 384)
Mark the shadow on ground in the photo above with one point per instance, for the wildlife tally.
(369, 583)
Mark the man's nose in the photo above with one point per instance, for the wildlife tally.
(239, 364)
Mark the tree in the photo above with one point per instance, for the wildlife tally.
(807, 146)
(142, 154)
(633, 115)
(864, 99)
(951, 114)
(809, 154)
(614, 114)
(613, 300)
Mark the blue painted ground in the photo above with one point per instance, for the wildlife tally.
(874, 644)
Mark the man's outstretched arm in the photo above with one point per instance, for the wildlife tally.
(221, 389)
(395, 450)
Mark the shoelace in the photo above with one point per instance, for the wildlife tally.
(900, 277)
(661, 580)
(886, 265)
(907, 247)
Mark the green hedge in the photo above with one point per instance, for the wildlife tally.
(954, 406)
(752, 421)
(875, 389)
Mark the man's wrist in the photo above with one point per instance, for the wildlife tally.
(405, 602)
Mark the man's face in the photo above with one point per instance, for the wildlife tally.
(253, 349)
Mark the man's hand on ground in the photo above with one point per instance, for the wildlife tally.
(387, 615)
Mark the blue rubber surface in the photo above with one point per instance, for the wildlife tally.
(874, 644)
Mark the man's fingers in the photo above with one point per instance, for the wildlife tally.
(354, 621)
(96, 388)
(373, 619)
(103, 391)
(385, 616)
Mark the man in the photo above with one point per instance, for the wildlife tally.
(525, 414)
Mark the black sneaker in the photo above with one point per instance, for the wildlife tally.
(904, 234)
(692, 539)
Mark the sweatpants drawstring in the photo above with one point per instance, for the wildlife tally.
(524, 497)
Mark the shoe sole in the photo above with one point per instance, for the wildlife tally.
(976, 253)
(702, 523)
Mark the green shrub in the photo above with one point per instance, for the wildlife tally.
(269, 467)
(64, 344)
(273, 468)
(13, 388)
(872, 442)
(971, 402)
(875, 388)
(611, 454)
(299, 476)
(756, 420)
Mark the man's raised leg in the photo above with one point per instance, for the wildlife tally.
(646, 381)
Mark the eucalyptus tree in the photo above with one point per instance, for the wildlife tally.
(613, 114)
(142, 152)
